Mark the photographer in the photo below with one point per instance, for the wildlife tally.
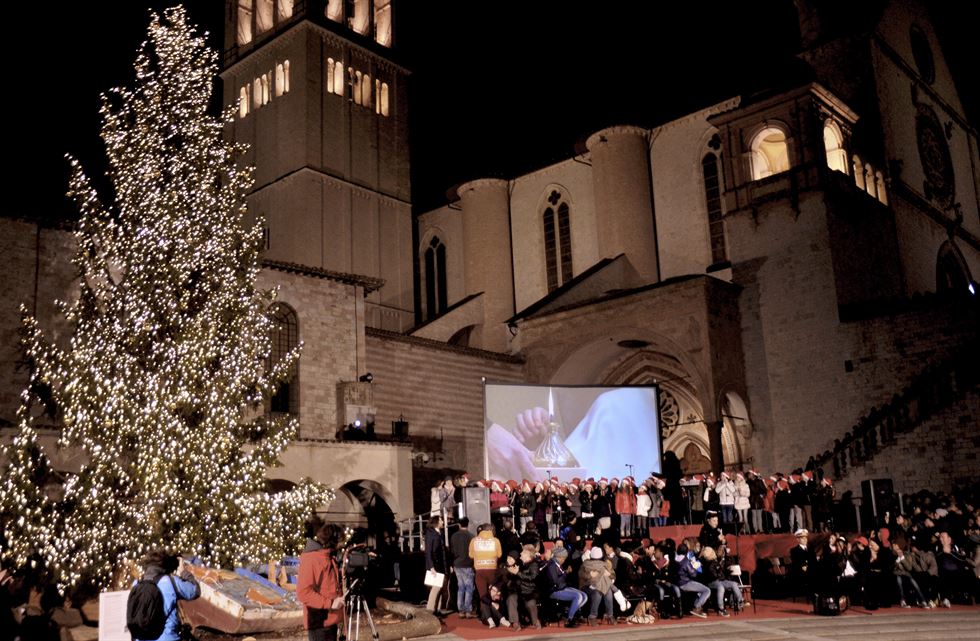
(318, 587)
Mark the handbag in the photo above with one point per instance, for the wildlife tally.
(434, 579)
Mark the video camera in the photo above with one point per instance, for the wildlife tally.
(356, 566)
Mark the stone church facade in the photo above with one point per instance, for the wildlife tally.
(790, 267)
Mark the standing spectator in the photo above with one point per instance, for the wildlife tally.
(796, 492)
(587, 520)
(459, 544)
(159, 566)
(801, 558)
(643, 505)
(742, 504)
(757, 500)
(726, 498)
(823, 505)
(486, 552)
(784, 504)
(435, 558)
(626, 507)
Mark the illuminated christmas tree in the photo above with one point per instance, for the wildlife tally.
(163, 382)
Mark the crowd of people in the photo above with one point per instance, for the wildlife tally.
(557, 547)
(747, 502)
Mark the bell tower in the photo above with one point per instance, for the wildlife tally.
(322, 104)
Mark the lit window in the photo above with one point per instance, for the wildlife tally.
(335, 10)
(382, 22)
(770, 154)
(384, 99)
(712, 195)
(244, 22)
(331, 70)
(377, 96)
(435, 278)
(284, 10)
(858, 172)
(265, 89)
(285, 76)
(360, 16)
(869, 180)
(280, 80)
(880, 188)
(357, 87)
(263, 16)
(285, 338)
(833, 143)
(557, 241)
(366, 91)
(338, 78)
(257, 93)
(243, 102)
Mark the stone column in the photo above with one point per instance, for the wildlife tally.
(489, 266)
(624, 197)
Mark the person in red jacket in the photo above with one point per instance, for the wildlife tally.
(318, 587)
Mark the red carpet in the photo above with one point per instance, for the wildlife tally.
(474, 630)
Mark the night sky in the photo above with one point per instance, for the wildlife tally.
(497, 88)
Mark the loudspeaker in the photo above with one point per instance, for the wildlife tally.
(877, 498)
(476, 506)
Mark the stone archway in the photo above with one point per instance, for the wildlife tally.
(365, 504)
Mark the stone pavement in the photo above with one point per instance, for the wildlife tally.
(943, 625)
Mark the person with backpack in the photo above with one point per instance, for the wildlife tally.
(318, 585)
(151, 610)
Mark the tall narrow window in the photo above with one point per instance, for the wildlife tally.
(285, 337)
(243, 102)
(284, 10)
(331, 72)
(358, 76)
(858, 172)
(338, 78)
(280, 80)
(712, 196)
(770, 155)
(359, 16)
(335, 10)
(265, 89)
(382, 22)
(435, 278)
(384, 99)
(257, 93)
(285, 76)
(244, 31)
(880, 188)
(869, 180)
(833, 143)
(366, 91)
(263, 16)
(557, 241)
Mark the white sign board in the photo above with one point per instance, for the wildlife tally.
(112, 616)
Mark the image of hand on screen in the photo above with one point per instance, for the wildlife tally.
(611, 428)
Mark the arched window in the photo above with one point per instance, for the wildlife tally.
(285, 337)
(384, 99)
(263, 16)
(257, 93)
(243, 102)
(265, 89)
(557, 241)
(435, 278)
(833, 143)
(952, 274)
(770, 155)
(285, 76)
(358, 15)
(858, 172)
(712, 196)
(382, 22)
(335, 10)
(244, 31)
(869, 180)
(331, 75)
(880, 188)
(358, 78)
(338, 78)
(280, 80)
(366, 91)
(284, 10)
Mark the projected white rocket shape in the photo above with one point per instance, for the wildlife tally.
(552, 453)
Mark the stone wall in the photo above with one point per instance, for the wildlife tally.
(438, 389)
(941, 452)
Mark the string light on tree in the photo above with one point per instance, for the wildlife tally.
(162, 382)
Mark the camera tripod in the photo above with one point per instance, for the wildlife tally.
(355, 605)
